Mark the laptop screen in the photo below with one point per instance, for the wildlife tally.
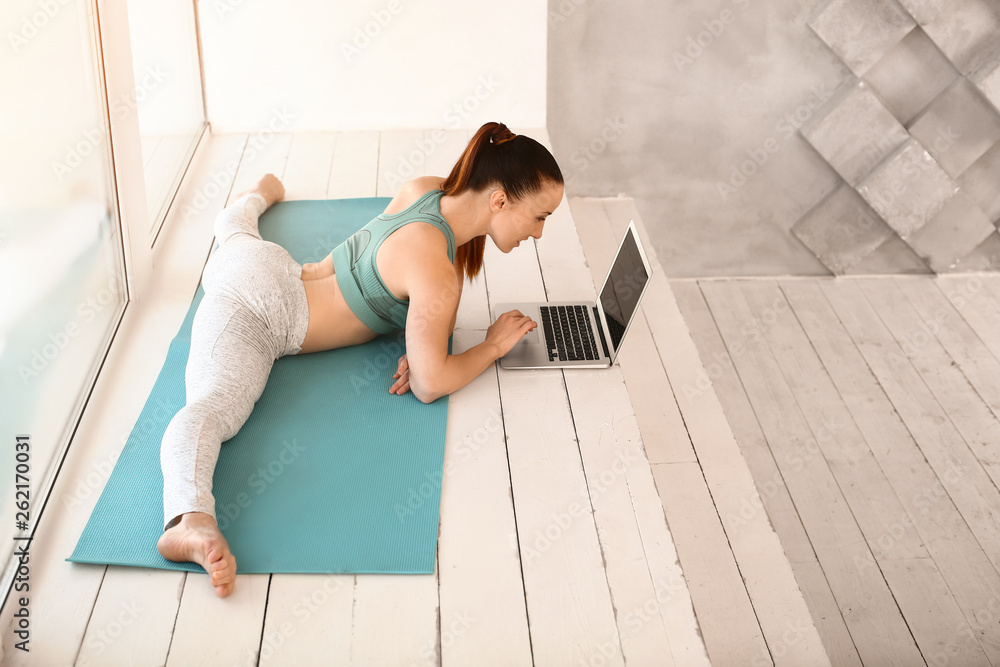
(624, 286)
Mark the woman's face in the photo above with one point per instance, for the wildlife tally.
(516, 221)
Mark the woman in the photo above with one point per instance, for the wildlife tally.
(405, 268)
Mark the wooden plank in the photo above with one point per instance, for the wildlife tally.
(310, 161)
(891, 536)
(442, 148)
(836, 437)
(64, 594)
(622, 490)
(400, 158)
(974, 297)
(570, 611)
(474, 308)
(395, 620)
(354, 172)
(970, 575)
(132, 618)
(725, 614)
(718, 375)
(664, 433)
(918, 338)
(765, 571)
(307, 615)
(871, 615)
(962, 476)
(946, 323)
(264, 154)
(204, 618)
(826, 614)
(770, 493)
(937, 623)
(483, 614)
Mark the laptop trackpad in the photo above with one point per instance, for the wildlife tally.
(532, 337)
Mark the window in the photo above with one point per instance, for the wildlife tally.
(74, 238)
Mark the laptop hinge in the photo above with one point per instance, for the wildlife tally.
(600, 330)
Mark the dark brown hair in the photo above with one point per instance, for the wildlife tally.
(496, 157)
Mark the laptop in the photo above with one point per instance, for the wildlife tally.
(581, 334)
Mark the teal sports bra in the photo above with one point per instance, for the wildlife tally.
(357, 273)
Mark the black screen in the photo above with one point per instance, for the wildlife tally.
(621, 293)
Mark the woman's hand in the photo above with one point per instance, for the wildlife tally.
(509, 328)
(402, 377)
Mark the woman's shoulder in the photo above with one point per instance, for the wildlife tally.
(411, 191)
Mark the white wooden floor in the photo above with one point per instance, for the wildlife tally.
(869, 412)
(554, 545)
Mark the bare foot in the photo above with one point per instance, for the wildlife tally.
(268, 187)
(196, 538)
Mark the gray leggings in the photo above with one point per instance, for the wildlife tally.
(254, 311)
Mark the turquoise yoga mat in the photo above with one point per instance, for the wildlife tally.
(331, 473)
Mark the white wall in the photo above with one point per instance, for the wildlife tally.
(373, 64)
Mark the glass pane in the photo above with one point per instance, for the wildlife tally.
(168, 95)
(61, 270)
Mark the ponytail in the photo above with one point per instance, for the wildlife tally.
(496, 156)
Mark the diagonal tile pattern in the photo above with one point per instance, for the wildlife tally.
(908, 189)
(842, 229)
(952, 234)
(861, 32)
(957, 128)
(917, 140)
(856, 133)
(910, 75)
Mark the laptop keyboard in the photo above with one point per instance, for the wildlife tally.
(568, 334)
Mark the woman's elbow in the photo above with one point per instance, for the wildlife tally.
(426, 392)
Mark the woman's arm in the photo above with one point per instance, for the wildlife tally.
(321, 269)
(434, 298)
